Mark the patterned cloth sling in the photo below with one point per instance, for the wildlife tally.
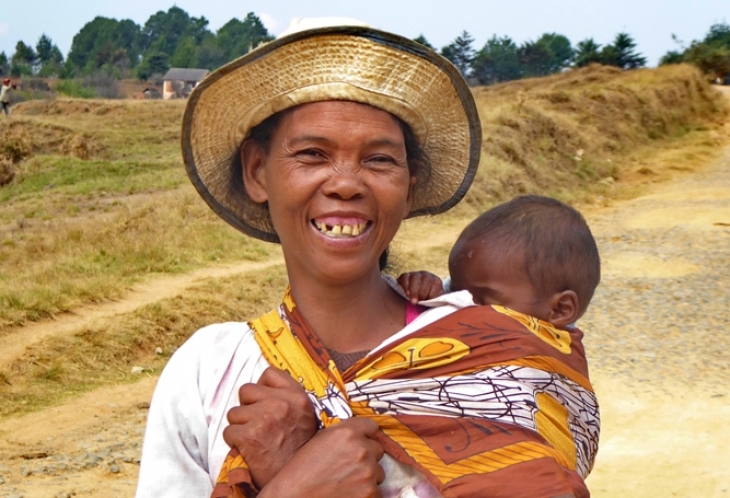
(484, 402)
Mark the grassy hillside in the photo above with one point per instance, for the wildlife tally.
(100, 198)
(575, 134)
(101, 201)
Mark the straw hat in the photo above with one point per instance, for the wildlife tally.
(355, 63)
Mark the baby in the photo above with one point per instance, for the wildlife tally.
(534, 255)
(537, 257)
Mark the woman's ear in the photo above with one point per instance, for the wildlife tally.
(253, 163)
(564, 308)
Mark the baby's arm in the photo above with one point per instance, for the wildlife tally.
(421, 285)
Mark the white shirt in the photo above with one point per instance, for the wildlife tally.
(184, 448)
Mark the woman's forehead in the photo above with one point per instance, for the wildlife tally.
(335, 117)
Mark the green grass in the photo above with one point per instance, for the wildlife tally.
(53, 174)
(73, 89)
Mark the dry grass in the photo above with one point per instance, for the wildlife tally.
(575, 134)
(99, 202)
(55, 369)
(79, 227)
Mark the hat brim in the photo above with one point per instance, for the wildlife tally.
(349, 63)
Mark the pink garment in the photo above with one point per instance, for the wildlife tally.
(412, 311)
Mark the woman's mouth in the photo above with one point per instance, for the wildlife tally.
(341, 229)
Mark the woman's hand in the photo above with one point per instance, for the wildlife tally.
(341, 460)
(274, 420)
(421, 285)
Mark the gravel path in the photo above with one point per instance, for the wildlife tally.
(655, 335)
(660, 313)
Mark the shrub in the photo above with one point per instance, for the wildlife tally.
(37, 84)
(103, 85)
(74, 89)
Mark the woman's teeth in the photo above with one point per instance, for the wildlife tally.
(341, 230)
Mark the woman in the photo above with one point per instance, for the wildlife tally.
(324, 141)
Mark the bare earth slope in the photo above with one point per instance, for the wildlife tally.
(655, 336)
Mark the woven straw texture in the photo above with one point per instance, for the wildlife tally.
(329, 66)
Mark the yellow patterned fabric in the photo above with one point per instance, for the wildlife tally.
(483, 402)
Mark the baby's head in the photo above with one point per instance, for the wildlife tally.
(534, 255)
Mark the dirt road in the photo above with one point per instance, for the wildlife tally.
(656, 341)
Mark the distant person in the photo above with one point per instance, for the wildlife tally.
(5, 95)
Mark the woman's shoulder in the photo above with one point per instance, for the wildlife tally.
(215, 342)
(215, 355)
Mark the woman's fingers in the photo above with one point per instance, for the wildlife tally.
(273, 377)
(342, 460)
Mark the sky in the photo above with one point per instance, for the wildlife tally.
(650, 22)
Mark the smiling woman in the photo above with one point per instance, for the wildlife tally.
(337, 183)
(324, 141)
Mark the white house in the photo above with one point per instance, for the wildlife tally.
(179, 82)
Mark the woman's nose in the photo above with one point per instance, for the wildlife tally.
(345, 182)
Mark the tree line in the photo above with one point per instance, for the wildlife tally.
(124, 49)
(501, 59)
(711, 55)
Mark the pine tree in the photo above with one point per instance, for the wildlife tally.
(461, 53)
(587, 52)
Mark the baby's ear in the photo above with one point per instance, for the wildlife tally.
(564, 308)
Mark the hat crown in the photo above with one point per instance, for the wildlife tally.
(300, 24)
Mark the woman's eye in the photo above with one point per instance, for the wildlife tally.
(381, 160)
(310, 153)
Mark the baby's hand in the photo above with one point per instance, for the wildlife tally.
(421, 285)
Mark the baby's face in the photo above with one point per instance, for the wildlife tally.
(495, 278)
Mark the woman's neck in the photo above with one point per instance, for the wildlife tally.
(355, 316)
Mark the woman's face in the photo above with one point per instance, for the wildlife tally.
(338, 186)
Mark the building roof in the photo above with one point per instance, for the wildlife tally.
(184, 74)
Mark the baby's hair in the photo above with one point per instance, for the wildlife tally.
(554, 240)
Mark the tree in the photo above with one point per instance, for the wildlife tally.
(49, 57)
(672, 57)
(561, 49)
(24, 53)
(163, 31)
(712, 58)
(44, 48)
(712, 55)
(24, 60)
(184, 55)
(4, 65)
(153, 63)
(105, 44)
(536, 58)
(621, 53)
(587, 52)
(497, 61)
(719, 34)
(422, 40)
(236, 38)
(208, 55)
(461, 53)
